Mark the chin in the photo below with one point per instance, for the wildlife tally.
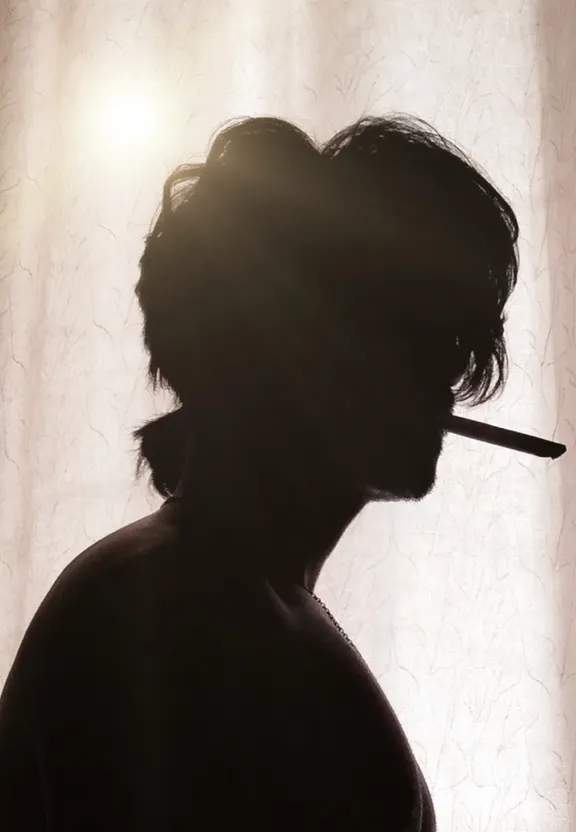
(411, 481)
(406, 492)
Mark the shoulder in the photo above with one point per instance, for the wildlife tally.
(85, 582)
(154, 533)
(141, 594)
(141, 587)
(68, 623)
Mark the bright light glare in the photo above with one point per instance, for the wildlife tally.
(125, 120)
(128, 120)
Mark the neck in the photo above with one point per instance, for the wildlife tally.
(255, 512)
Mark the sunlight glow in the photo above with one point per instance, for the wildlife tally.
(128, 119)
(125, 120)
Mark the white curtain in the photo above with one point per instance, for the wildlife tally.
(463, 604)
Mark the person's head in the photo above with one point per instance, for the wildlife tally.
(313, 306)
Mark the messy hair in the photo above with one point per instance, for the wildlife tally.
(274, 226)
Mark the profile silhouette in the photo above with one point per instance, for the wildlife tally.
(315, 309)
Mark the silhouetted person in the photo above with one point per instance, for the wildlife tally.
(315, 309)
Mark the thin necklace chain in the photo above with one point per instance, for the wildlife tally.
(332, 619)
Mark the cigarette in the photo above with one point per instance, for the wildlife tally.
(504, 438)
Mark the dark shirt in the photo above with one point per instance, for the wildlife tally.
(152, 692)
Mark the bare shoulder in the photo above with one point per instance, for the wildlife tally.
(85, 582)
(154, 532)
(146, 588)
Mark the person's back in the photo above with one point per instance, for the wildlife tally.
(311, 308)
(214, 697)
